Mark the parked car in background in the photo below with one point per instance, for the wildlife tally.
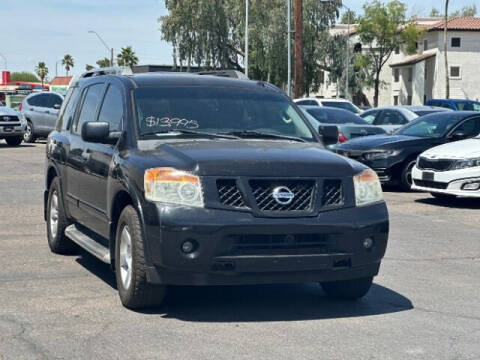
(449, 170)
(394, 156)
(455, 104)
(391, 118)
(349, 125)
(336, 103)
(12, 126)
(40, 111)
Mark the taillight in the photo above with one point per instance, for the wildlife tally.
(20, 107)
(341, 137)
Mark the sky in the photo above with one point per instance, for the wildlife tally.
(45, 30)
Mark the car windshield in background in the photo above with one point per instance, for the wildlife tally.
(335, 116)
(426, 112)
(468, 106)
(429, 126)
(215, 110)
(341, 105)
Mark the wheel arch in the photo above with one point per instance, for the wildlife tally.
(52, 173)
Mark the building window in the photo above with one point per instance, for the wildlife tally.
(410, 74)
(397, 50)
(396, 75)
(409, 100)
(395, 100)
(456, 42)
(425, 44)
(455, 72)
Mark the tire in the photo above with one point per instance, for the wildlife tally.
(14, 141)
(130, 268)
(347, 289)
(58, 242)
(443, 197)
(406, 176)
(29, 136)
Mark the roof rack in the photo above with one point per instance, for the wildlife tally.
(114, 70)
(225, 73)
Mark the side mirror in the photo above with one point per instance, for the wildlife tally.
(458, 135)
(329, 134)
(57, 106)
(96, 132)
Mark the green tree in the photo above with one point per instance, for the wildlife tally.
(466, 11)
(349, 17)
(127, 57)
(382, 28)
(435, 13)
(89, 67)
(24, 76)
(68, 62)
(105, 62)
(42, 71)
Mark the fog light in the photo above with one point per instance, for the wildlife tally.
(471, 186)
(368, 243)
(188, 247)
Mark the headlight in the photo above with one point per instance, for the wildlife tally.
(378, 155)
(367, 188)
(462, 164)
(173, 186)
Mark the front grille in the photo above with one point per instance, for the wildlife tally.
(431, 184)
(229, 193)
(7, 118)
(257, 244)
(303, 191)
(332, 193)
(434, 164)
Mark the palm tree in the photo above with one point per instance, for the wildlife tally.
(127, 57)
(68, 62)
(103, 62)
(42, 71)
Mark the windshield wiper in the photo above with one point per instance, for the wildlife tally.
(190, 132)
(259, 135)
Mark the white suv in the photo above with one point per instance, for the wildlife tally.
(336, 103)
(449, 170)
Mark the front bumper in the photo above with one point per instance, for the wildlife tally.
(447, 182)
(238, 248)
(8, 129)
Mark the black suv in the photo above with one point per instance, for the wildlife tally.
(184, 179)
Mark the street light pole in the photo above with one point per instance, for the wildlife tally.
(4, 60)
(246, 38)
(110, 50)
(289, 47)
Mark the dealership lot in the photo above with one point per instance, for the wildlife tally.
(424, 304)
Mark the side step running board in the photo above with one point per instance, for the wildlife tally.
(88, 243)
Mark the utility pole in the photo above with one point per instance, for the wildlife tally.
(445, 50)
(289, 47)
(299, 87)
(246, 38)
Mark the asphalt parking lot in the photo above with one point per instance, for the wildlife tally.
(425, 303)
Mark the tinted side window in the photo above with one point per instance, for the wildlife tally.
(89, 106)
(470, 127)
(370, 117)
(389, 117)
(303, 102)
(112, 109)
(53, 100)
(67, 111)
(38, 100)
(447, 105)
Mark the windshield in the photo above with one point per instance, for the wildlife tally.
(429, 126)
(216, 110)
(468, 106)
(335, 116)
(345, 105)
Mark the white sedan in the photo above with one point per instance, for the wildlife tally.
(449, 170)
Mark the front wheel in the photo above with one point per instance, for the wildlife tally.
(29, 136)
(130, 267)
(14, 141)
(347, 289)
(406, 177)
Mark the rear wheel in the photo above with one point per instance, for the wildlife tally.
(130, 268)
(29, 136)
(443, 197)
(14, 141)
(406, 176)
(347, 289)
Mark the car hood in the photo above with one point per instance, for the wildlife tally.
(464, 149)
(8, 111)
(246, 158)
(379, 141)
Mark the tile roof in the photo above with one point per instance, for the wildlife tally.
(61, 80)
(458, 23)
(415, 59)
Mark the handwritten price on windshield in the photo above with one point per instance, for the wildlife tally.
(153, 121)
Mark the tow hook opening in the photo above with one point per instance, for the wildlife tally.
(223, 266)
(344, 263)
